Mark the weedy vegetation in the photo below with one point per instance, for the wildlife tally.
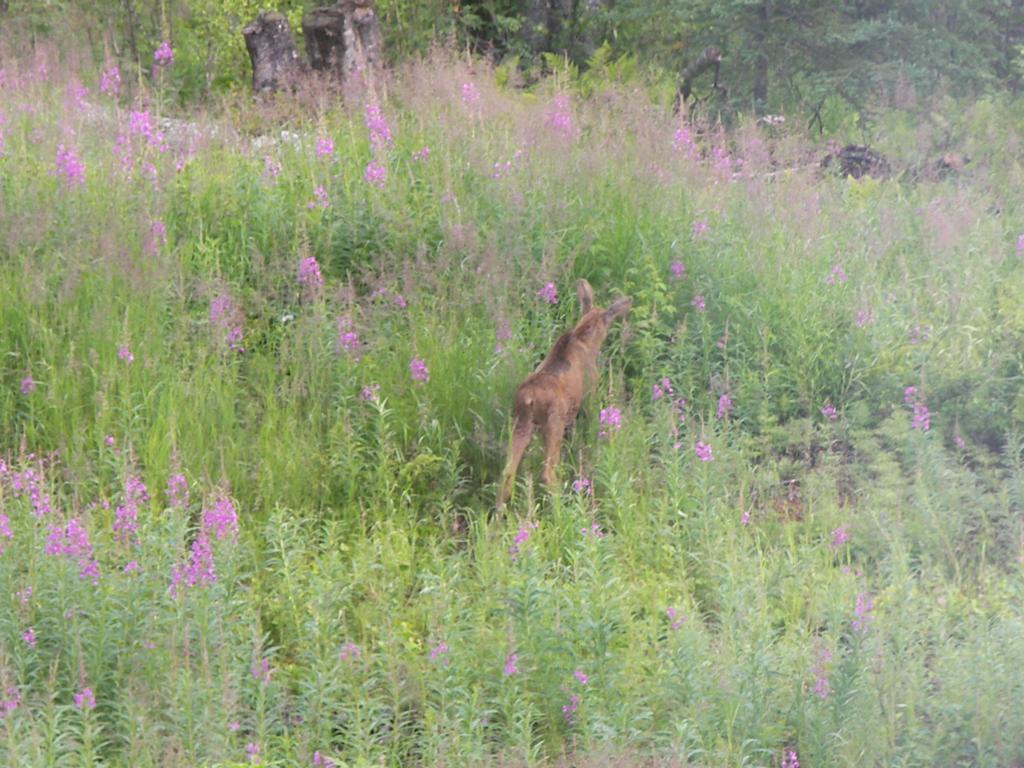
(255, 392)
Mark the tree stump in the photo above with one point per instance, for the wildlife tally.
(857, 161)
(275, 62)
(344, 41)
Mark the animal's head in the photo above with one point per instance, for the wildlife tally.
(595, 321)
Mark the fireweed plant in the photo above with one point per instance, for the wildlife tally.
(253, 405)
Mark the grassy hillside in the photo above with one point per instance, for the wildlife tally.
(255, 385)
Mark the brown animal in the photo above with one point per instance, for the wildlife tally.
(550, 396)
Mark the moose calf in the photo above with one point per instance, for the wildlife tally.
(550, 396)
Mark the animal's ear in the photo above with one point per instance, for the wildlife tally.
(618, 309)
(586, 296)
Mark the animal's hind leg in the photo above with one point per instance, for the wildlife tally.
(521, 434)
(554, 431)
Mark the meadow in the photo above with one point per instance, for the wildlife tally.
(256, 370)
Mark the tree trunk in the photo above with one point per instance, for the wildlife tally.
(344, 41)
(761, 61)
(275, 62)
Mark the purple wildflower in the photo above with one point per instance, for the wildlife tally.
(29, 637)
(439, 651)
(11, 701)
(349, 651)
(377, 126)
(252, 749)
(156, 238)
(470, 95)
(261, 673)
(309, 277)
(863, 318)
(418, 370)
(126, 514)
(699, 228)
(558, 116)
(703, 451)
(221, 520)
(908, 394)
(369, 392)
(72, 541)
(959, 441)
(582, 485)
(581, 676)
(320, 761)
(521, 537)
(375, 174)
(839, 537)
(510, 665)
(5, 530)
(698, 302)
(745, 517)
(421, 155)
(177, 491)
(683, 142)
(662, 389)
(675, 617)
(84, 700)
(271, 168)
(862, 612)
(1020, 245)
(724, 406)
(594, 530)
(610, 419)
(164, 55)
(678, 270)
(131, 566)
(829, 411)
(837, 276)
(348, 339)
(110, 81)
(125, 355)
(27, 385)
(320, 198)
(548, 293)
(921, 418)
(789, 760)
(820, 672)
(69, 166)
(324, 147)
(569, 709)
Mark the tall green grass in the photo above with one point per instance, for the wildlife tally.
(848, 589)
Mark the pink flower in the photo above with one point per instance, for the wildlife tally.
(349, 651)
(163, 55)
(863, 318)
(581, 676)
(418, 370)
(28, 385)
(703, 451)
(470, 95)
(110, 81)
(369, 392)
(862, 612)
(921, 418)
(309, 277)
(320, 198)
(29, 636)
(421, 155)
(377, 126)
(439, 651)
(69, 166)
(789, 760)
(582, 485)
(699, 228)
(548, 293)
(839, 537)
(521, 537)
(829, 411)
(837, 276)
(156, 239)
(662, 389)
(819, 669)
(724, 406)
(558, 116)
(611, 419)
(698, 302)
(84, 700)
(125, 354)
(510, 665)
(675, 618)
(678, 270)
(324, 147)
(375, 174)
